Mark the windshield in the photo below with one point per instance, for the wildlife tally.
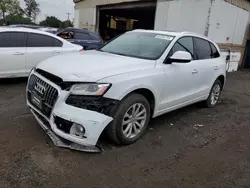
(139, 44)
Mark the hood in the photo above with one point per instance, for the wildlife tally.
(91, 66)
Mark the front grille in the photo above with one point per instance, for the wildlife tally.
(48, 96)
(55, 79)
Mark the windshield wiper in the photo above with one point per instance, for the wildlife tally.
(120, 54)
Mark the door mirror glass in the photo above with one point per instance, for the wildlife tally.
(179, 57)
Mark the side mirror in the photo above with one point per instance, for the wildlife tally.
(179, 57)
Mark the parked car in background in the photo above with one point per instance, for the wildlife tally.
(49, 29)
(30, 26)
(21, 49)
(87, 39)
(138, 76)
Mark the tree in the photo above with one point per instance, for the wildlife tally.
(66, 24)
(9, 7)
(51, 21)
(32, 9)
(17, 19)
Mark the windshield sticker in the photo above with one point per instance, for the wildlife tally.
(164, 37)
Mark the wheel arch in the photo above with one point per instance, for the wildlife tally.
(148, 94)
(221, 78)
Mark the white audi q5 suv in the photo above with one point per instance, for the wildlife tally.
(138, 76)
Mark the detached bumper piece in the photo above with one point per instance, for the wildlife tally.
(60, 142)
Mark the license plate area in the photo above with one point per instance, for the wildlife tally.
(37, 101)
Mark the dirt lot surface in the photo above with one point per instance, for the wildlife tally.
(191, 147)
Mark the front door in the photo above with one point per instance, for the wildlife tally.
(181, 78)
(12, 54)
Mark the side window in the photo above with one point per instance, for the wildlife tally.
(38, 40)
(94, 37)
(66, 34)
(203, 50)
(184, 44)
(12, 39)
(215, 52)
(57, 43)
(82, 36)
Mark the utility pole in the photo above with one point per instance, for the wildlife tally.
(68, 15)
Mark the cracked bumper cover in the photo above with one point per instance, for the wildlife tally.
(93, 122)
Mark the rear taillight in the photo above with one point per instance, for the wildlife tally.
(81, 50)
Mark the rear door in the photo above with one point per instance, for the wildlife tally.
(41, 47)
(205, 65)
(12, 54)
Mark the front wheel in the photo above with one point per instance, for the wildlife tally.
(130, 120)
(214, 94)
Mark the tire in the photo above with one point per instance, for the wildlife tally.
(117, 131)
(216, 96)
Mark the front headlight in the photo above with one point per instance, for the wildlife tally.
(90, 89)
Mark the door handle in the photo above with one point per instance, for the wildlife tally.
(216, 68)
(56, 52)
(194, 71)
(18, 53)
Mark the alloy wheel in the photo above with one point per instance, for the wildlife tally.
(215, 95)
(134, 120)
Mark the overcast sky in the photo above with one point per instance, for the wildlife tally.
(57, 8)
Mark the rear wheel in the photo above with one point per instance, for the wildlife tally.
(214, 95)
(131, 119)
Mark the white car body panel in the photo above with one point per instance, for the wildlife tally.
(13, 62)
(173, 85)
(72, 67)
(18, 61)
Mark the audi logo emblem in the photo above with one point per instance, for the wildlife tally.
(40, 88)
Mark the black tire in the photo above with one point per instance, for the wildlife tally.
(208, 103)
(114, 129)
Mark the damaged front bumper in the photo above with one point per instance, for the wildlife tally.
(61, 132)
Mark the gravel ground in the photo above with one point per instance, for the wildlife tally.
(191, 147)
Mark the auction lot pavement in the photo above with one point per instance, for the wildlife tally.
(191, 147)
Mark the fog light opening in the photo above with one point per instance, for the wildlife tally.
(77, 130)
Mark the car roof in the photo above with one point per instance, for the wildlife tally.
(23, 29)
(78, 30)
(172, 33)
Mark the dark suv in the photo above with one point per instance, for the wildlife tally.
(87, 39)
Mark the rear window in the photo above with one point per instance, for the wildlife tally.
(215, 52)
(12, 39)
(81, 36)
(94, 37)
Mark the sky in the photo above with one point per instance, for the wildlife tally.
(57, 8)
